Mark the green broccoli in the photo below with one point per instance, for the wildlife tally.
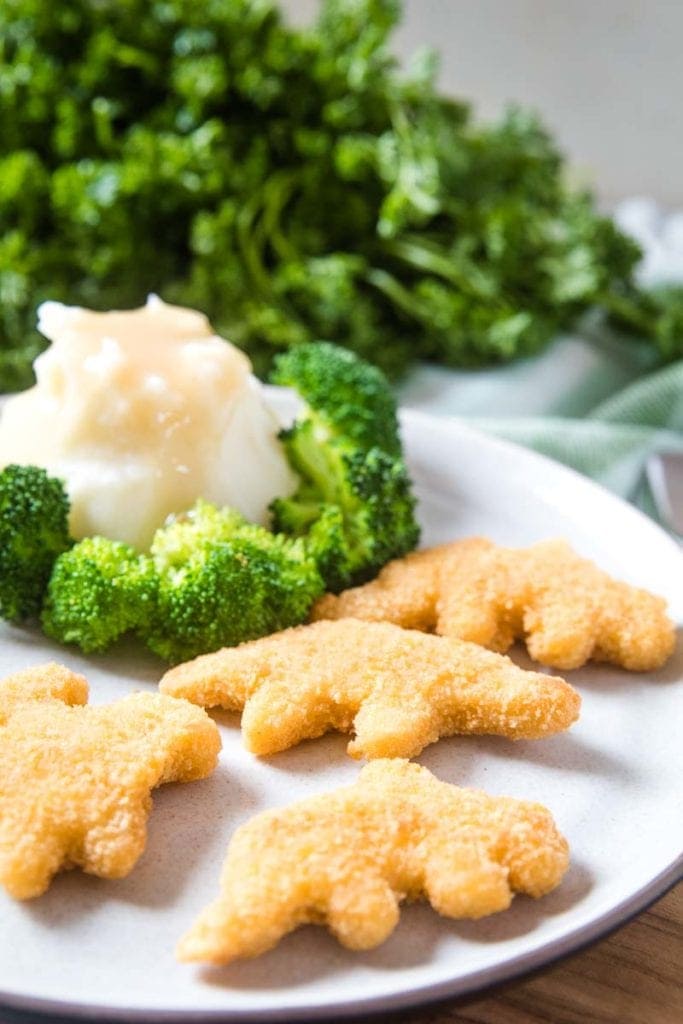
(354, 506)
(371, 492)
(211, 578)
(325, 537)
(98, 591)
(34, 512)
(223, 580)
(346, 396)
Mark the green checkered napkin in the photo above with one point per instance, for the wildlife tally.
(595, 404)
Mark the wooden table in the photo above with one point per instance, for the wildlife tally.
(633, 977)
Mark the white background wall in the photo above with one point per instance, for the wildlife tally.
(606, 75)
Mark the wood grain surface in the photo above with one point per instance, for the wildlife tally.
(633, 977)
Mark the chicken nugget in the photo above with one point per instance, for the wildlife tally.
(75, 780)
(565, 608)
(405, 593)
(346, 859)
(397, 689)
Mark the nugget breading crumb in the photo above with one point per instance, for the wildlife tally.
(75, 780)
(564, 607)
(405, 593)
(42, 682)
(397, 689)
(347, 859)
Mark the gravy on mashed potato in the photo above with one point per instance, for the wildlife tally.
(141, 412)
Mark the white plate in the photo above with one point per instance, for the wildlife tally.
(91, 947)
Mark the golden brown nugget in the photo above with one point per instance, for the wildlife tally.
(75, 780)
(405, 593)
(564, 607)
(346, 859)
(397, 689)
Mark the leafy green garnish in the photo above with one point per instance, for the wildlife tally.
(292, 183)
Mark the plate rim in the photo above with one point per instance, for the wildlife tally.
(534, 458)
(479, 982)
(513, 970)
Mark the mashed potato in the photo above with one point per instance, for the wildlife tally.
(140, 413)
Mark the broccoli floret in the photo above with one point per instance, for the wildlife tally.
(326, 540)
(98, 591)
(347, 397)
(34, 512)
(223, 580)
(180, 538)
(211, 579)
(371, 491)
(354, 505)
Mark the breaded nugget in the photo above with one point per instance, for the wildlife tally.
(75, 780)
(564, 607)
(405, 593)
(346, 859)
(397, 689)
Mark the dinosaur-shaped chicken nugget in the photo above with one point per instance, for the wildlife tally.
(347, 858)
(75, 780)
(397, 689)
(565, 608)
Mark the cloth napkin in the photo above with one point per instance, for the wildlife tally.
(592, 400)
